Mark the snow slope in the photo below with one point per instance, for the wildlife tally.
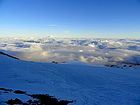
(86, 84)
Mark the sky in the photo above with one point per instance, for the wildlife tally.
(70, 18)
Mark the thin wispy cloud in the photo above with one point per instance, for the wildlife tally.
(52, 25)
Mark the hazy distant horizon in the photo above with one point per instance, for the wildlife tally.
(69, 37)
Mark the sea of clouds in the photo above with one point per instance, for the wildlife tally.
(94, 51)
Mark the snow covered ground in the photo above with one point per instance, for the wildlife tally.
(85, 71)
(85, 84)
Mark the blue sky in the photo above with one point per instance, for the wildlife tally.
(70, 18)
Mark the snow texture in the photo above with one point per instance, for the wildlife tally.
(86, 84)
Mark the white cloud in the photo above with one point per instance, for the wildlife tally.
(97, 51)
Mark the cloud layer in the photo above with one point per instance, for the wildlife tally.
(96, 51)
